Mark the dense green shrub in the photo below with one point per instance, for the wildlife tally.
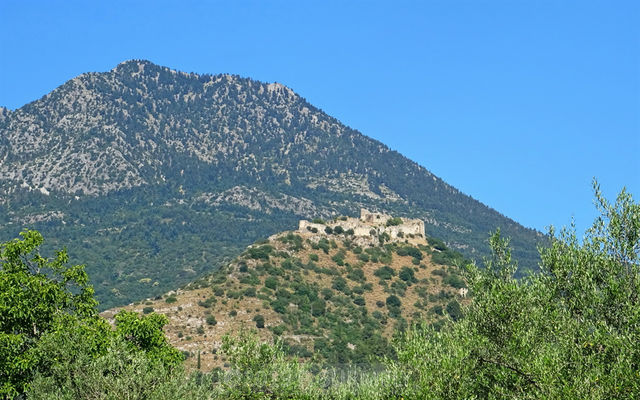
(278, 329)
(338, 258)
(437, 244)
(208, 302)
(454, 281)
(260, 371)
(377, 315)
(356, 275)
(326, 293)
(117, 374)
(410, 251)
(260, 252)
(171, 299)
(385, 272)
(259, 320)
(398, 287)
(340, 284)
(449, 257)
(324, 245)
(394, 221)
(358, 290)
(318, 307)
(393, 301)
(295, 241)
(291, 264)
(273, 270)
(437, 309)
(279, 305)
(271, 282)
(250, 280)
(454, 310)
(407, 274)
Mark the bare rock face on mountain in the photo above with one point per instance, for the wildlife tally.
(155, 176)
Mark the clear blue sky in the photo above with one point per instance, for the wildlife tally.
(516, 103)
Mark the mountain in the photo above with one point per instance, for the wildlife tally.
(337, 297)
(153, 177)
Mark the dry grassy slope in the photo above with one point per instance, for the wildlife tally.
(288, 259)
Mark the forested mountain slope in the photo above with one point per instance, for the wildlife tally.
(153, 176)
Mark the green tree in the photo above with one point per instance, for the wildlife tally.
(144, 333)
(260, 370)
(570, 331)
(50, 332)
(34, 294)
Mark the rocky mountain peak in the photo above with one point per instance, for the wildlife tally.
(4, 112)
(135, 66)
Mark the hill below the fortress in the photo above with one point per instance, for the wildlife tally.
(333, 295)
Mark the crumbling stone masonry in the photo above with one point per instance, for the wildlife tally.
(369, 224)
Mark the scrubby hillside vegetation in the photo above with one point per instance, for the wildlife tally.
(568, 332)
(329, 296)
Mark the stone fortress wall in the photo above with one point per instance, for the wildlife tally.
(368, 222)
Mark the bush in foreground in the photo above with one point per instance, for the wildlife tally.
(570, 331)
(50, 331)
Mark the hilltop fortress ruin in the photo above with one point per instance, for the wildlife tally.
(369, 224)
